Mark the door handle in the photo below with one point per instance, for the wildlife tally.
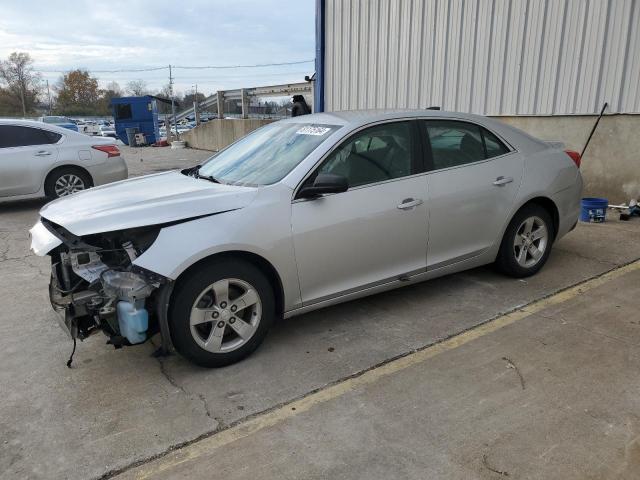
(409, 203)
(42, 153)
(502, 181)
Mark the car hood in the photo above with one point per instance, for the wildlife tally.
(143, 201)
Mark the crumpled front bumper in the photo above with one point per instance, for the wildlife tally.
(42, 240)
(89, 283)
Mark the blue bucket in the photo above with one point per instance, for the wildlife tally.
(593, 209)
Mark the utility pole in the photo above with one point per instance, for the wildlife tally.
(24, 107)
(49, 97)
(196, 114)
(244, 101)
(173, 106)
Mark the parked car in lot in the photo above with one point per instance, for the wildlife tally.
(63, 122)
(108, 131)
(89, 127)
(301, 214)
(40, 159)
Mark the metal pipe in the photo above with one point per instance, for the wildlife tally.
(593, 129)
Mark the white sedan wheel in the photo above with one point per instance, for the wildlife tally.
(68, 184)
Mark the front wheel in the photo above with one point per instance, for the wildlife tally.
(221, 312)
(526, 244)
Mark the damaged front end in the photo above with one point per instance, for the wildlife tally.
(95, 285)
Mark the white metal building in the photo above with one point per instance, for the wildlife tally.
(538, 59)
(495, 57)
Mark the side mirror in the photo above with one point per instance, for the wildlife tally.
(325, 183)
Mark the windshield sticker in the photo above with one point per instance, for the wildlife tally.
(313, 130)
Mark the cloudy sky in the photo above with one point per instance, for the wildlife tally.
(125, 35)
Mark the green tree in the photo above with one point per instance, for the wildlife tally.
(21, 85)
(78, 94)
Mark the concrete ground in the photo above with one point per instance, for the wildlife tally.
(548, 391)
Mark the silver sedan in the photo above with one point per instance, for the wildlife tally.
(39, 159)
(301, 214)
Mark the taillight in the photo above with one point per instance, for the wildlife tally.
(110, 150)
(575, 156)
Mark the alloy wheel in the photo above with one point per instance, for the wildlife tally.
(225, 315)
(67, 184)
(530, 242)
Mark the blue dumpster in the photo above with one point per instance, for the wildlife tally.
(136, 112)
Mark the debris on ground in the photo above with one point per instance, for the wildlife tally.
(485, 462)
(510, 364)
(627, 211)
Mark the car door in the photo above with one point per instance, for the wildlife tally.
(26, 153)
(376, 231)
(473, 183)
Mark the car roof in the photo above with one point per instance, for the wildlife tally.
(353, 119)
(36, 124)
(33, 123)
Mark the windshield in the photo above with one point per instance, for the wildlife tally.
(267, 154)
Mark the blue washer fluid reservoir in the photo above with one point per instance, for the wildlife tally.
(133, 321)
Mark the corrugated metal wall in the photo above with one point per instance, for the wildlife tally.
(494, 57)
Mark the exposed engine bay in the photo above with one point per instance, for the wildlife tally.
(94, 285)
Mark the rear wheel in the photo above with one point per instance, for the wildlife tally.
(66, 181)
(221, 312)
(526, 244)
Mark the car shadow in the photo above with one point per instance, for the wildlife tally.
(20, 206)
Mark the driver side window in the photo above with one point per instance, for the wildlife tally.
(376, 154)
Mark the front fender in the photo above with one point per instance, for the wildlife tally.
(263, 229)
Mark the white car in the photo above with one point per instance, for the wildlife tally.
(39, 159)
(108, 131)
(89, 127)
(301, 214)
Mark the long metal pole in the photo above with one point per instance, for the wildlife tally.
(594, 129)
(196, 115)
(173, 106)
(167, 118)
(49, 96)
(24, 107)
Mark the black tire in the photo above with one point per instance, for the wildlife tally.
(55, 175)
(190, 288)
(507, 259)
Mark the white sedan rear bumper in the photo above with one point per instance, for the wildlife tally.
(113, 169)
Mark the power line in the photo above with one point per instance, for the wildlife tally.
(246, 66)
(226, 76)
(133, 70)
(185, 67)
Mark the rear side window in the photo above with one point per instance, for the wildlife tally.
(19, 136)
(494, 146)
(456, 143)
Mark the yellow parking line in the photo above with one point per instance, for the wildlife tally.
(208, 445)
